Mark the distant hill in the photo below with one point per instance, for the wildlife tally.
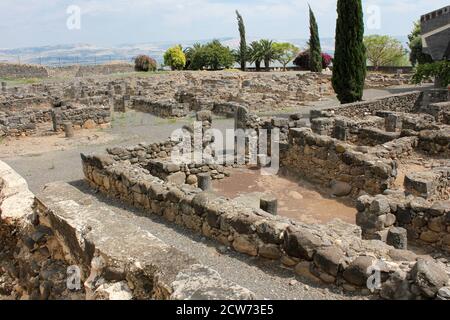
(92, 54)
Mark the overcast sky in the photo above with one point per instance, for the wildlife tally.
(109, 22)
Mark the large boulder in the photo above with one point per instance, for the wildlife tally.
(329, 259)
(301, 243)
(429, 277)
(340, 189)
(357, 272)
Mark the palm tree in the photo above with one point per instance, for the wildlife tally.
(190, 52)
(269, 53)
(255, 54)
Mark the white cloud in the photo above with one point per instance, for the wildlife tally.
(119, 20)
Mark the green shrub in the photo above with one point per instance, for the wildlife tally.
(439, 70)
(144, 63)
(175, 58)
(212, 56)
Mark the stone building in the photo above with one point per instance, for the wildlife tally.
(435, 28)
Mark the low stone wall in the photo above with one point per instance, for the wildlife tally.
(18, 71)
(16, 203)
(40, 103)
(15, 198)
(382, 80)
(225, 109)
(425, 221)
(62, 229)
(81, 117)
(164, 109)
(332, 253)
(23, 123)
(327, 161)
(440, 111)
(435, 96)
(143, 152)
(104, 69)
(435, 142)
(127, 272)
(406, 102)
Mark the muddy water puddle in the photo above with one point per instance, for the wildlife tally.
(296, 200)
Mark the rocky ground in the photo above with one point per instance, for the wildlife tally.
(54, 158)
(263, 277)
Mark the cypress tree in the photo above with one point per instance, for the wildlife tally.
(243, 42)
(315, 56)
(349, 65)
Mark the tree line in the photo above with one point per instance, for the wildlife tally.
(353, 52)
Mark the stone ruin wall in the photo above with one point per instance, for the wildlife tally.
(20, 71)
(81, 117)
(60, 227)
(87, 114)
(162, 96)
(425, 222)
(163, 109)
(358, 156)
(382, 80)
(31, 71)
(327, 161)
(334, 253)
(104, 69)
(406, 102)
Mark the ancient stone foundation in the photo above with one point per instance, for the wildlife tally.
(64, 229)
(332, 253)
(81, 117)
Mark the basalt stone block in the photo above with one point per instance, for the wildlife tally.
(244, 223)
(404, 215)
(213, 217)
(422, 184)
(440, 208)
(270, 231)
(102, 161)
(157, 192)
(204, 115)
(269, 203)
(329, 259)
(178, 178)
(429, 277)
(280, 122)
(363, 203)
(340, 188)
(301, 243)
(174, 195)
(398, 238)
(200, 202)
(380, 206)
(357, 272)
(204, 181)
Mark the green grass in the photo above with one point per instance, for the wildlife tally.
(25, 81)
(167, 121)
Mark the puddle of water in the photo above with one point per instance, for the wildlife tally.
(296, 200)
